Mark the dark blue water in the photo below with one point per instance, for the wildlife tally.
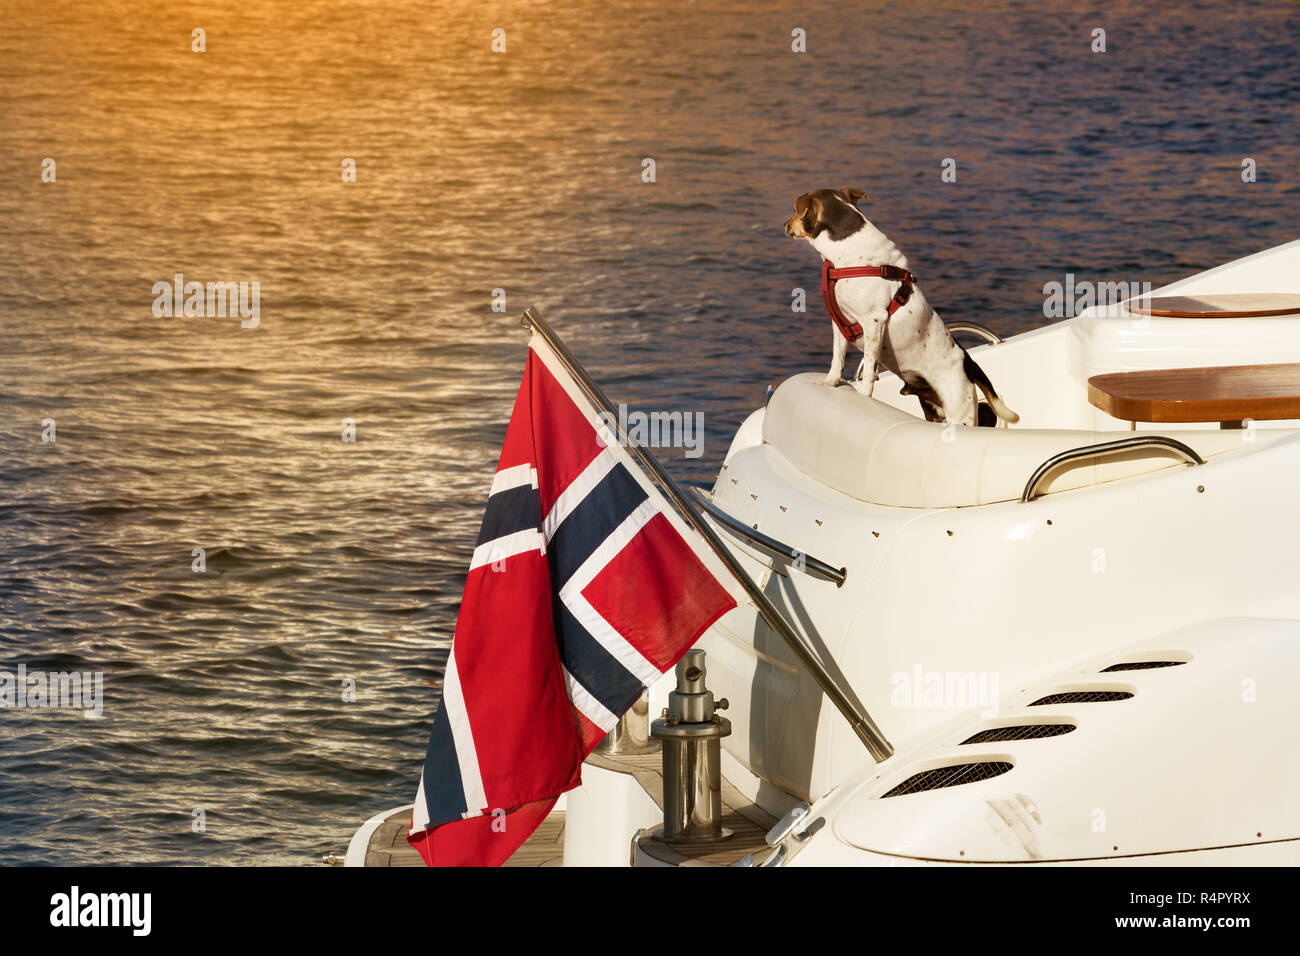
(330, 561)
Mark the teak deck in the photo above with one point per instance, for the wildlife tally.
(749, 823)
(388, 846)
(1230, 393)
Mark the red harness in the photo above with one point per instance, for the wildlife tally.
(830, 275)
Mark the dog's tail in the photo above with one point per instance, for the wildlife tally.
(976, 375)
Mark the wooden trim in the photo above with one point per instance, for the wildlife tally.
(1230, 393)
(1244, 305)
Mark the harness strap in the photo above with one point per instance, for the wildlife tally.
(830, 275)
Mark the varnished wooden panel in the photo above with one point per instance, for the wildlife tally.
(1229, 393)
(1224, 306)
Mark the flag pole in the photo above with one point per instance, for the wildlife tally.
(845, 701)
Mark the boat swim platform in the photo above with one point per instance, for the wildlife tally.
(749, 825)
(388, 846)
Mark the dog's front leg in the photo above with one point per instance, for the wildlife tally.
(839, 349)
(873, 335)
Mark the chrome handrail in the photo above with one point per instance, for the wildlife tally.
(989, 334)
(800, 560)
(1108, 448)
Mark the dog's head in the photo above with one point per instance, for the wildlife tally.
(831, 211)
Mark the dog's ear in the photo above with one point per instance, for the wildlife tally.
(809, 210)
(855, 195)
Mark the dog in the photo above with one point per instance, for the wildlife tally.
(878, 306)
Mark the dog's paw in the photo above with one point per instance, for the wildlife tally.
(863, 387)
(830, 380)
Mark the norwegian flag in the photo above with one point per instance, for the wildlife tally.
(583, 590)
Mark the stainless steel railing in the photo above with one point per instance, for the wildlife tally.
(1102, 449)
(799, 560)
(980, 330)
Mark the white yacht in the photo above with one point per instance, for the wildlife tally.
(1073, 640)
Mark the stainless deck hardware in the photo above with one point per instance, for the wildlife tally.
(845, 701)
(786, 825)
(989, 334)
(692, 740)
(631, 735)
(776, 857)
(777, 549)
(1104, 448)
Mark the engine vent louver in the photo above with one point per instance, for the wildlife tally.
(951, 776)
(1082, 697)
(1018, 732)
(1140, 666)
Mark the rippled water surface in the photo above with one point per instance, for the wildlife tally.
(329, 561)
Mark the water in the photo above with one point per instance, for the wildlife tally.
(329, 561)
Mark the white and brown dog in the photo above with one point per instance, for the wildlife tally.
(875, 304)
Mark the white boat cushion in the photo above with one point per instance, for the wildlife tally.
(877, 453)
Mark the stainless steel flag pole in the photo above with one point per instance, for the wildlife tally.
(845, 701)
